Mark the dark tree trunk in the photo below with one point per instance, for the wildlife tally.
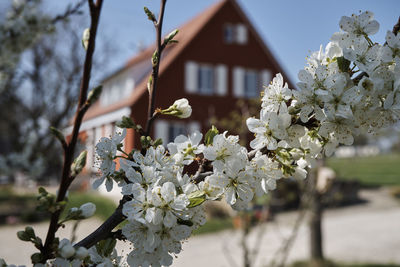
(315, 223)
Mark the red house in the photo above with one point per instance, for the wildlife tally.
(220, 58)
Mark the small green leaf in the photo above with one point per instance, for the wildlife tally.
(22, 235)
(126, 122)
(209, 137)
(150, 14)
(150, 83)
(196, 198)
(154, 58)
(106, 247)
(158, 142)
(170, 37)
(78, 164)
(57, 133)
(42, 191)
(36, 258)
(343, 64)
(94, 94)
(29, 230)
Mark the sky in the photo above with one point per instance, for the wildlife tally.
(290, 28)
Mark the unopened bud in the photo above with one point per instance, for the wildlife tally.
(78, 164)
(85, 38)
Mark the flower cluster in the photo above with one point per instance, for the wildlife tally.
(350, 87)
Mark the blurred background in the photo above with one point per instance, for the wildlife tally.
(346, 214)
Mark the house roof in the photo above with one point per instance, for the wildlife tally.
(186, 35)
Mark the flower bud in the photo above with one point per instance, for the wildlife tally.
(85, 38)
(180, 109)
(81, 253)
(87, 209)
(66, 249)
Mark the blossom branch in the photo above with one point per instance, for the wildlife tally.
(105, 230)
(66, 178)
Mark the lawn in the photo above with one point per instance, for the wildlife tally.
(370, 171)
(23, 206)
(214, 225)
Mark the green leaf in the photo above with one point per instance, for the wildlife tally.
(150, 14)
(126, 122)
(57, 133)
(30, 232)
(154, 58)
(170, 37)
(94, 94)
(42, 191)
(36, 258)
(196, 198)
(209, 137)
(106, 247)
(78, 164)
(157, 142)
(343, 64)
(24, 236)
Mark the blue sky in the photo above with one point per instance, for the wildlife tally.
(291, 28)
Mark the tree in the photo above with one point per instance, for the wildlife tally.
(41, 92)
(162, 204)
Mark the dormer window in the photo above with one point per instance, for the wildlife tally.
(235, 34)
(229, 33)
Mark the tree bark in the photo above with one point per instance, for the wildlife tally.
(315, 222)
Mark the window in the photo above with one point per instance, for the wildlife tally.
(235, 34)
(251, 87)
(168, 130)
(175, 129)
(229, 34)
(205, 80)
(248, 82)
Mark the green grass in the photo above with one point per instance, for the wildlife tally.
(214, 225)
(23, 206)
(370, 171)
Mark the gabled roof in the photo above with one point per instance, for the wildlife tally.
(186, 35)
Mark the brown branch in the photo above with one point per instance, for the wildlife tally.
(66, 179)
(105, 230)
(156, 67)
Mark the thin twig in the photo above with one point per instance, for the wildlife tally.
(69, 152)
(69, 11)
(156, 67)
